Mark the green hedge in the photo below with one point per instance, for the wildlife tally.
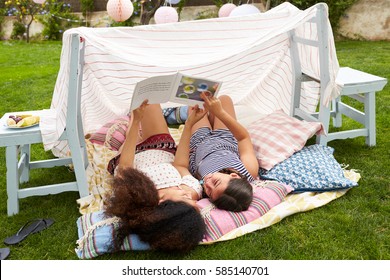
(337, 8)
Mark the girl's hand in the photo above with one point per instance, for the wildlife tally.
(212, 104)
(196, 114)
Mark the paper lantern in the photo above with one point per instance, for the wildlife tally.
(226, 9)
(243, 10)
(39, 1)
(166, 14)
(173, 2)
(120, 10)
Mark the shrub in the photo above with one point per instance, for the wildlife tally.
(337, 8)
(87, 6)
(2, 16)
(56, 19)
(18, 30)
(25, 12)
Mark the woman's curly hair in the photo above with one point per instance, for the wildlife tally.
(168, 226)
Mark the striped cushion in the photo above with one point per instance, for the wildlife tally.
(277, 136)
(112, 134)
(219, 222)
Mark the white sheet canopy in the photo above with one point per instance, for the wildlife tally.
(250, 54)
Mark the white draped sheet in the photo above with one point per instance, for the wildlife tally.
(249, 54)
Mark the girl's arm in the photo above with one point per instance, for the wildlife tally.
(183, 150)
(182, 156)
(245, 147)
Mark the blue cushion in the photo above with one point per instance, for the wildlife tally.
(313, 168)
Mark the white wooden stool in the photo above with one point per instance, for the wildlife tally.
(362, 87)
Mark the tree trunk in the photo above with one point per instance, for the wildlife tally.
(268, 5)
(146, 15)
(28, 28)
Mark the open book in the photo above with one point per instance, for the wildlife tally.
(177, 88)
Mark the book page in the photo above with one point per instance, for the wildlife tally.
(189, 90)
(156, 89)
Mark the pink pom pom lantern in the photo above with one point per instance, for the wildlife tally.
(120, 10)
(39, 1)
(243, 10)
(226, 9)
(166, 14)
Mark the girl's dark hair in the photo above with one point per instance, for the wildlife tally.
(168, 226)
(238, 194)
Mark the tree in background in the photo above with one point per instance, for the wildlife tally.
(87, 7)
(57, 18)
(337, 8)
(148, 8)
(25, 12)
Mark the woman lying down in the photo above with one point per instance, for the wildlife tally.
(154, 193)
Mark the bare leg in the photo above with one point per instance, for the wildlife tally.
(153, 121)
(227, 105)
(203, 122)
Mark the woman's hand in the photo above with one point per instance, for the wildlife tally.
(138, 113)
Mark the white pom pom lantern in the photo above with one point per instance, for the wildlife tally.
(120, 10)
(243, 10)
(39, 1)
(226, 9)
(166, 14)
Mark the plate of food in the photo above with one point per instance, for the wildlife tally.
(22, 121)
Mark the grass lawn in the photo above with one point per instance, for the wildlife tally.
(353, 227)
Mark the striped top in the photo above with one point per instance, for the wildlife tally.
(213, 150)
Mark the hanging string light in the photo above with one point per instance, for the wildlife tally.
(120, 10)
(166, 14)
(77, 20)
